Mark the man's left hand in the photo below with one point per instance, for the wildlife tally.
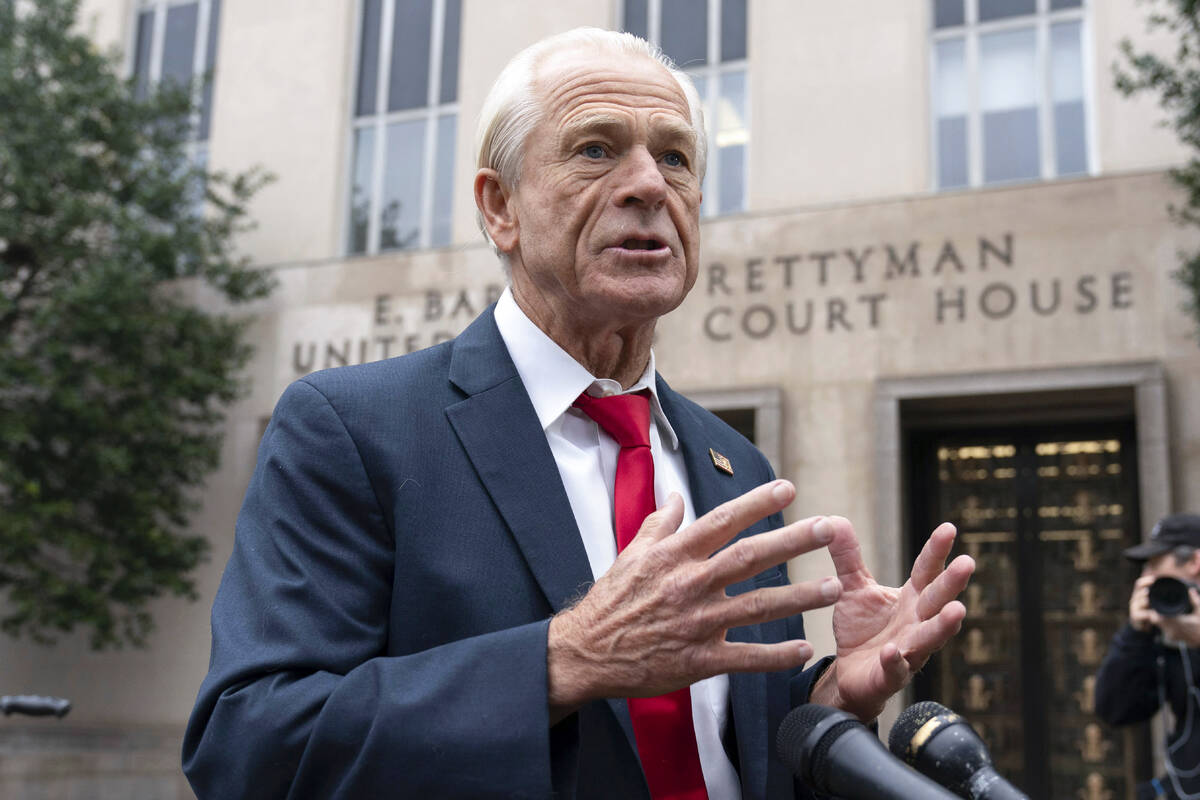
(884, 634)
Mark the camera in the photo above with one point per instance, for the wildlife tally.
(1169, 597)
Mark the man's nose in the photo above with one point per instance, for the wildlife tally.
(641, 180)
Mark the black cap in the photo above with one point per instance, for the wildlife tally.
(1171, 531)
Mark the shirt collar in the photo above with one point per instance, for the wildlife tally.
(553, 379)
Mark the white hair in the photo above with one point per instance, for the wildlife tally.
(513, 109)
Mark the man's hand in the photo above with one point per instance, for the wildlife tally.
(1184, 628)
(884, 635)
(1141, 616)
(656, 621)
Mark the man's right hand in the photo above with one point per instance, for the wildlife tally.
(1141, 616)
(656, 621)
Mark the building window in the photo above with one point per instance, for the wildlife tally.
(707, 39)
(1009, 95)
(405, 120)
(756, 413)
(176, 43)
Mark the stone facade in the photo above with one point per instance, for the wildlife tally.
(847, 286)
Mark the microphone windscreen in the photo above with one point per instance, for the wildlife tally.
(909, 722)
(796, 726)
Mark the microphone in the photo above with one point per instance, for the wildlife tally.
(834, 753)
(942, 745)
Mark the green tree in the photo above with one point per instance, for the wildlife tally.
(112, 383)
(1175, 79)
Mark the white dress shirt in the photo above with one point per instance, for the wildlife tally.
(587, 461)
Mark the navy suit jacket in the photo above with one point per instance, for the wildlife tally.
(380, 629)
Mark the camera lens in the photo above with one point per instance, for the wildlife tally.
(1169, 597)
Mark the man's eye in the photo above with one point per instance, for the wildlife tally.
(674, 159)
(594, 151)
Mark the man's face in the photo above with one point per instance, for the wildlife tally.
(607, 205)
(1165, 566)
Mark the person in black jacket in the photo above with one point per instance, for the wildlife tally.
(1154, 660)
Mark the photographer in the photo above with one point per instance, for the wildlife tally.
(1155, 659)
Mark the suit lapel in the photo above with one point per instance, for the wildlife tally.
(499, 430)
(709, 488)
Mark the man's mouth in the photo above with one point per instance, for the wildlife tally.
(642, 244)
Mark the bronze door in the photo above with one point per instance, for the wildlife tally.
(1045, 513)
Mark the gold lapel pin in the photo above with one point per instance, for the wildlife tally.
(720, 462)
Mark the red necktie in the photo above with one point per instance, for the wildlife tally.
(662, 726)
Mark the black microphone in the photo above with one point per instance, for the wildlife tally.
(834, 753)
(943, 746)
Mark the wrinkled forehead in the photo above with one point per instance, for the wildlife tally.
(572, 83)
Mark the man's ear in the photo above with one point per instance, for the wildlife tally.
(495, 205)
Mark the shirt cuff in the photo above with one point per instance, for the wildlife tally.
(818, 670)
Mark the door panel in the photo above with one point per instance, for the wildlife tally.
(1045, 513)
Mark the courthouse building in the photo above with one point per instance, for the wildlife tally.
(934, 284)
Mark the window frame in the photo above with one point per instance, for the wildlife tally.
(767, 404)
(382, 119)
(196, 148)
(969, 33)
(711, 71)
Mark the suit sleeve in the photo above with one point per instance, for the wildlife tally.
(301, 700)
(1127, 681)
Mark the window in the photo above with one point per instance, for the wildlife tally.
(756, 413)
(176, 42)
(1009, 100)
(707, 39)
(405, 121)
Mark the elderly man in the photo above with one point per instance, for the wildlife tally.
(517, 564)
